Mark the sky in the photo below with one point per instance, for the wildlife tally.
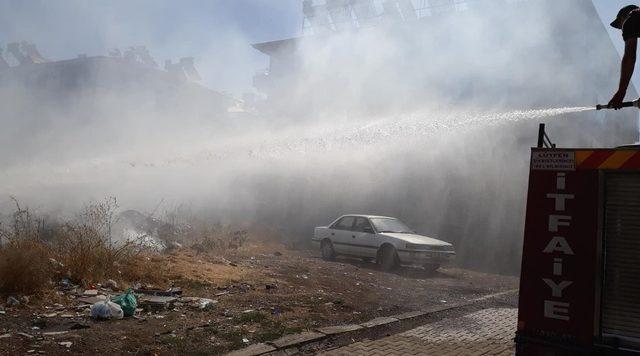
(218, 33)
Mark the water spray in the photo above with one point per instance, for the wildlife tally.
(626, 104)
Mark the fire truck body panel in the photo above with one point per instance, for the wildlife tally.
(580, 277)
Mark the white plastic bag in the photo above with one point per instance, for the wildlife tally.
(106, 310)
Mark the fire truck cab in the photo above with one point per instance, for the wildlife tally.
(580, 276)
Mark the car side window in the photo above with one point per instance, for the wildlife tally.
(362, 225)
(345, 223)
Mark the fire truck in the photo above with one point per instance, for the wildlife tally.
(580, 277)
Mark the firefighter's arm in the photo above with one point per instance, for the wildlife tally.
(626, 71)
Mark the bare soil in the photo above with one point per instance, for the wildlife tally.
(263, 291)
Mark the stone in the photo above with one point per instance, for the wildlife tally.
(339, 329)
(111, 284)
(410, 315)
(257, 349)
(379, 322)
(296, 339)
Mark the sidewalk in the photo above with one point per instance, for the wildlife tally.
(485, 332)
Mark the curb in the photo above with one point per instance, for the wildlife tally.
(292, 342)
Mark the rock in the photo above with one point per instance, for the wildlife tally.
(205, 303)
(111, 284)
(39, 323)
(54, 333)
(277, 253)
(12, 302)
(90, 292)
(66, 344)
(271, 286)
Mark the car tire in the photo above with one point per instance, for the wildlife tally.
(431, 268)
(387, 258)
(328, 253)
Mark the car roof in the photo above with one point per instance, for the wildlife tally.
(369, 216)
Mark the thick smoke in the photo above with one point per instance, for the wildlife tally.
(420, 120)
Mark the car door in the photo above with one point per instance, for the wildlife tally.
(363, 238)
(341, 235)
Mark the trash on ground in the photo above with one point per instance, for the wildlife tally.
(106, 310)
(127, 302)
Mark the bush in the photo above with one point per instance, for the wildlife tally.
(81, 249)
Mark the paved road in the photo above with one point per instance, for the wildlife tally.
(486, 332)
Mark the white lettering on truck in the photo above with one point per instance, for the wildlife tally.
(558, 309)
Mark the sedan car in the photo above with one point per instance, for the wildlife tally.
(387, 240)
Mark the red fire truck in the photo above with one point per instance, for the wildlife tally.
(580, 277)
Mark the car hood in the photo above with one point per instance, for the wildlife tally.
(416, 239)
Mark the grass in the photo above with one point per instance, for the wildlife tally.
(37, 252)
(251, 317)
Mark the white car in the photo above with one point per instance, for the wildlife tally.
(388, 241)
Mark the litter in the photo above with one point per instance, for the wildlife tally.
(106, 310)
(66, 344)
(127, 302)
(12, 302)
(205, 303)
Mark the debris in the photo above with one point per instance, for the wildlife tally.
(92, 300)
(111, 284)
(12, 301)
(65, 283)
(245, 340)
(90, 292)
(39, 323)
(277, 253)
(156, 303)
(171, 292)
(206, 303)
(54, 333)
(4, 336)
(66, 344)
(127, 302)
(271, 286)
(106, 310)
(28, 336)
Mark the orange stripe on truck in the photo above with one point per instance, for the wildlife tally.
(581, 156)
(617, 159)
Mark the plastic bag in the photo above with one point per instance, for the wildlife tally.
(106, 310)
(127, 302)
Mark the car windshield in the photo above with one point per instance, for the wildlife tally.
(390, 225)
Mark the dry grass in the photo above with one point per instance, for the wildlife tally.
(24, 266)
(36, 253)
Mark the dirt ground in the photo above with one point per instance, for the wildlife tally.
(263, 291)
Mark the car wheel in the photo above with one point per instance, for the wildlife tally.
(387, 258)
(327, 250)
(431, 268)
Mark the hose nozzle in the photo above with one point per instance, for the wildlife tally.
(626, 104)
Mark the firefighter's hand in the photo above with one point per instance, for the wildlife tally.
(616, 101)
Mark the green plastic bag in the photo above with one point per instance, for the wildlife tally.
(127, 302)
